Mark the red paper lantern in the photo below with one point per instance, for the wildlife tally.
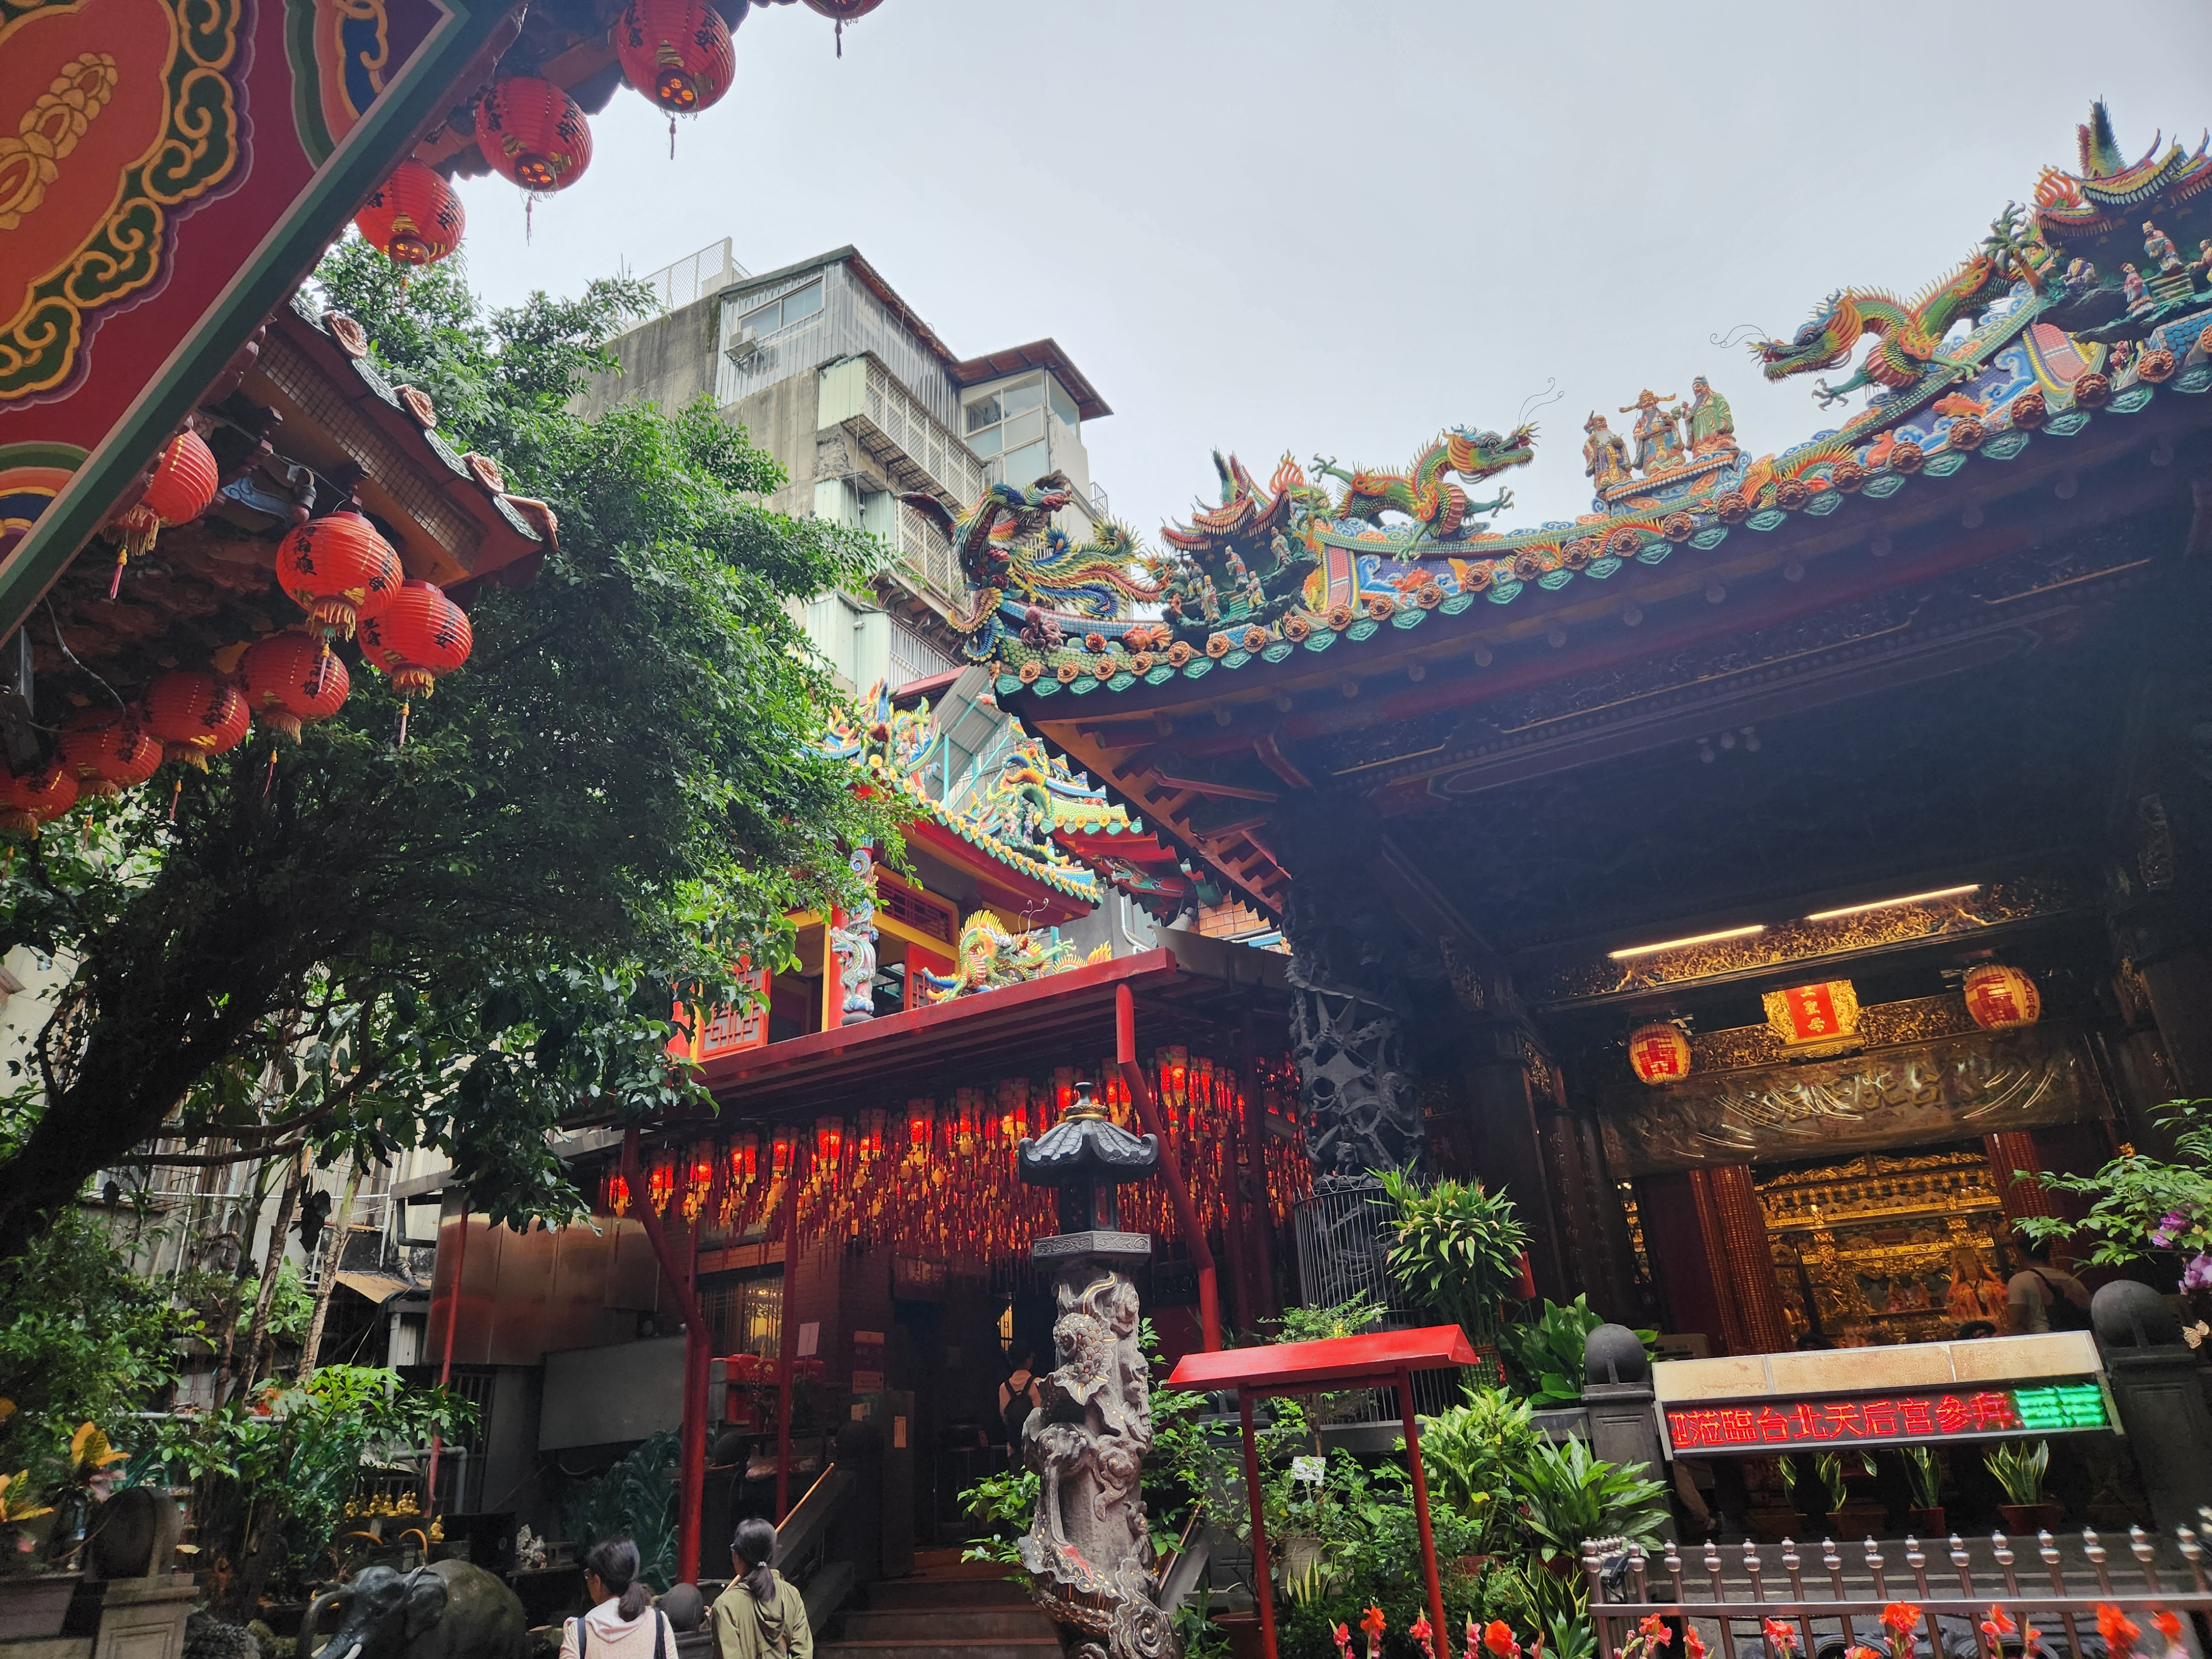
(107, 752)
(1659, 1053)
(27, 803)
(192, 714)
(290, 681)
(677, 52)
(533, 134)
(2001, 999)
(412, 218)
(183, 484)
(419, 637)
(844, 11)
(338, 570)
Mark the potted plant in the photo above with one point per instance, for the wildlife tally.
(32, 1604)
(2020, 1467)
(1923, 1473)
(1456, 1247)
(1571, 1496)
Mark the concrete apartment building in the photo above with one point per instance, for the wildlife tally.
(832, 373)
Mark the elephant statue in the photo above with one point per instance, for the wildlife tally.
(448, 1610)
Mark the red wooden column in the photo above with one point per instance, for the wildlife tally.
(1263, 1585)
(1439, 1636)
(1735, 1230)
(446, 1361)
(788, 1346)
(692, 1469)
(1141, 1095)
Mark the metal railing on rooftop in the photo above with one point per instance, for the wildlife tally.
(712, 268)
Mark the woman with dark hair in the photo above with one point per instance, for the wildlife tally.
(1018, 1397)
(622, 1624)
(760, 1616)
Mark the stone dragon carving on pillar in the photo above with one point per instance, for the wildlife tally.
(1089, 1550)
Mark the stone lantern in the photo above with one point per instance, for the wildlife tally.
(1089, 1551)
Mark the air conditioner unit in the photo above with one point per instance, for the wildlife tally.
(744, 346)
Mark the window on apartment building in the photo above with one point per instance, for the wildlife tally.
(1009, 424)
(794, 306)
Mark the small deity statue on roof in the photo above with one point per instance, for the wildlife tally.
(1605, 455)
(2159, 249)
(1209, 600)
(1713, 428)
(2132, 283)
(1279, 545)
(1657, 432)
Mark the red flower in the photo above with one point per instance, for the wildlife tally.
(1653, 1629)
(2119, 1630)
(1693, 1645)
(1780, 1639)
(1862, 1651)
(1498, 1639)
(1999, 1623)
(1372, 1621)
(1902, 1617)
(1421, 1633)
(2167, 1624)
(1343, 1635)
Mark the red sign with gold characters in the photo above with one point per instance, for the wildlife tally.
(1821, 1018)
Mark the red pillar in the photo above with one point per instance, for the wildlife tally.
(1263, 1588)
(1440, 1636)
(786, 1354)
(1742, 1260)
(445, 1362)
(691, 1469)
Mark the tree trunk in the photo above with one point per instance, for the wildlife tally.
(333, 1248)
(249, 1364)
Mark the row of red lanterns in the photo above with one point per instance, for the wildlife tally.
(677, 52)
(345, 576)
(1997, 998)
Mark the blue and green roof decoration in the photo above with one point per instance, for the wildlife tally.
(2066, 314)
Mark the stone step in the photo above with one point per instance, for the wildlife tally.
(946, 1623)
(924, 1644)
(947, 1593)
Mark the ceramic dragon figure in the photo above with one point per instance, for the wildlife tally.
(903, 743)
(1908, 334)
(1423, 492)
(991, 958)
(1009, 548)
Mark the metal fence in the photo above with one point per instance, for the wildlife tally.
(710, 269)
(1341, 1247)
(2066, 1615)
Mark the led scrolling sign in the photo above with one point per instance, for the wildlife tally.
(1978, 1414)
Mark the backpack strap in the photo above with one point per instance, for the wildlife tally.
(660, 1634)
(583, 1631)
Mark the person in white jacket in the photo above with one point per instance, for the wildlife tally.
(622, 1624)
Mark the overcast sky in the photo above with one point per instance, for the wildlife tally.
(1336, 226)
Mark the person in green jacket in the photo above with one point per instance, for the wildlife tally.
(759, 1616)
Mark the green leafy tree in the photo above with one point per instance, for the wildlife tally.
(455, 943)
(82, 1338)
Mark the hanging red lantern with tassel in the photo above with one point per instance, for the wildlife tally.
(412, 218)
(338, 570)
(29, 803)
(419, 638)
(194, 715)
(533, 134)
(183, 484)
(290, 681)
(677, 52)
(107, 752)
(844, 12)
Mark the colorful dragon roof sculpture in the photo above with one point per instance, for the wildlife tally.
(2093, 303)
(904, 750)
(1033, 812)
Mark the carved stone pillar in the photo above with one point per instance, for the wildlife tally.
(1361, 1113)
(1089, 1551)
(1742, 1260)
